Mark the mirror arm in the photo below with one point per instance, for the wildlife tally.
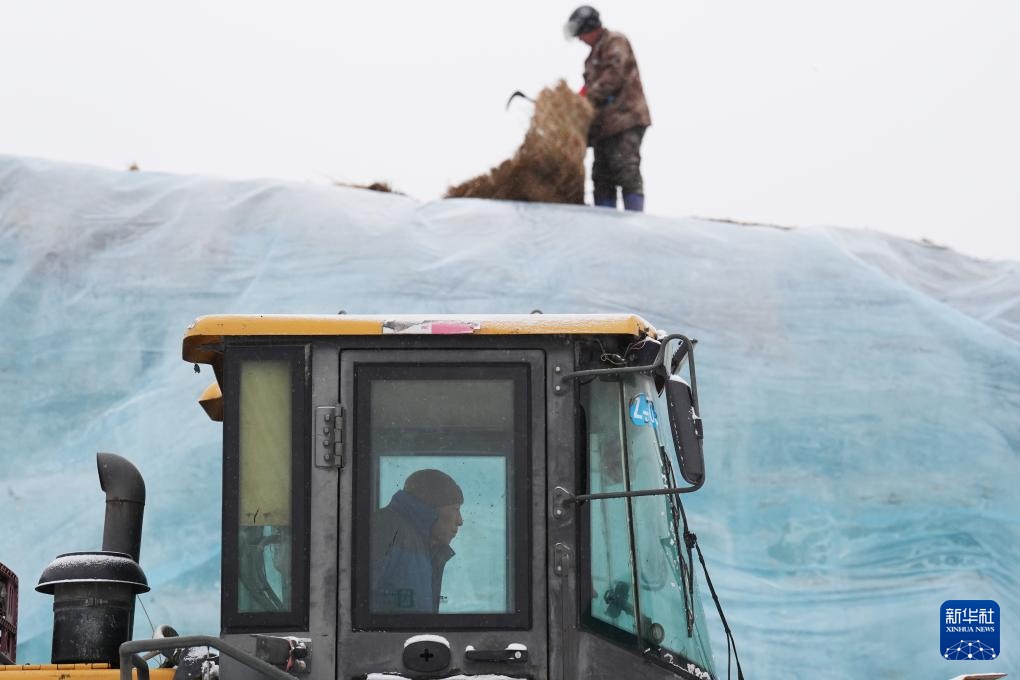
(648, 368)
(689, 356)
(687, 346)
(573, 375)
(567, 497)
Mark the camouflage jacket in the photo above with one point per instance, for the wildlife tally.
(613, 86)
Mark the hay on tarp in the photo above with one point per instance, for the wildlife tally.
(374, 186)
(378, 186)
(549, 166)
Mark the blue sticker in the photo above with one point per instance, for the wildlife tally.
(642, 411)
(970, 630)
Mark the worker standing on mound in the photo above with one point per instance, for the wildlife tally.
(613, 85)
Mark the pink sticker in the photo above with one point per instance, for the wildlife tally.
(452, 327)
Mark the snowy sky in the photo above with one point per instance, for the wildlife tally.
(896, 115)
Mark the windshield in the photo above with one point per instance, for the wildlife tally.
(630, 449)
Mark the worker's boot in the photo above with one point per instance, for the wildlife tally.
(635, 202)
(604, 195)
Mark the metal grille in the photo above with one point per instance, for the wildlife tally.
(8, 615)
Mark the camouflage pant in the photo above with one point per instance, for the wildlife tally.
(618, 164)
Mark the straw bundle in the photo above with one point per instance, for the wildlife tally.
(549, 166)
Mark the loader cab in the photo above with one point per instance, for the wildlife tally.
(435, 496)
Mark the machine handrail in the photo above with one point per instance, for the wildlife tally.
(129, 655)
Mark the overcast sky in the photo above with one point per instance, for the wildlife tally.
(896, 115)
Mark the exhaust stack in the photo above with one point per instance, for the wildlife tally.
(125, 504)
(94, 592)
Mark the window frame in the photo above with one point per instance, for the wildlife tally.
(519, 370)
(297, 617)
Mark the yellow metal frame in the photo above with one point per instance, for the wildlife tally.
(208, 331)
(212, 402)
(76, 671)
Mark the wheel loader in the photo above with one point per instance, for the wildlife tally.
(422, 497)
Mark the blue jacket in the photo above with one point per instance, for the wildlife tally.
(407, 573)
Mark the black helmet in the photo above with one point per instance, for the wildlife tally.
(584, 20)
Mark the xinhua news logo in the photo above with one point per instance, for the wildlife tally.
(970, 630)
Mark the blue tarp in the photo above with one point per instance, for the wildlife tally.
(860, 393)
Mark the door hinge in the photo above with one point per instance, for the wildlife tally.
(329, 436)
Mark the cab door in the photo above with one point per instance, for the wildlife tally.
(441, 560)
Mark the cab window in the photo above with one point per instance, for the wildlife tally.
(630, 449)
(264, 512)
(611, 568)
(662, 574)
(441, 464)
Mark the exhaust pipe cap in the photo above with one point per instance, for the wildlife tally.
(100, 566)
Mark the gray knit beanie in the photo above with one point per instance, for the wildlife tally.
(434, 488)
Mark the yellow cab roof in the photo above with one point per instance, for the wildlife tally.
(211, 330)
(203, 336)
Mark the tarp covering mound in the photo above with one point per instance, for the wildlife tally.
(860, 393)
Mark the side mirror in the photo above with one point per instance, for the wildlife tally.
(685, 426)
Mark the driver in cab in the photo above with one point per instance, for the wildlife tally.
(410, 543)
